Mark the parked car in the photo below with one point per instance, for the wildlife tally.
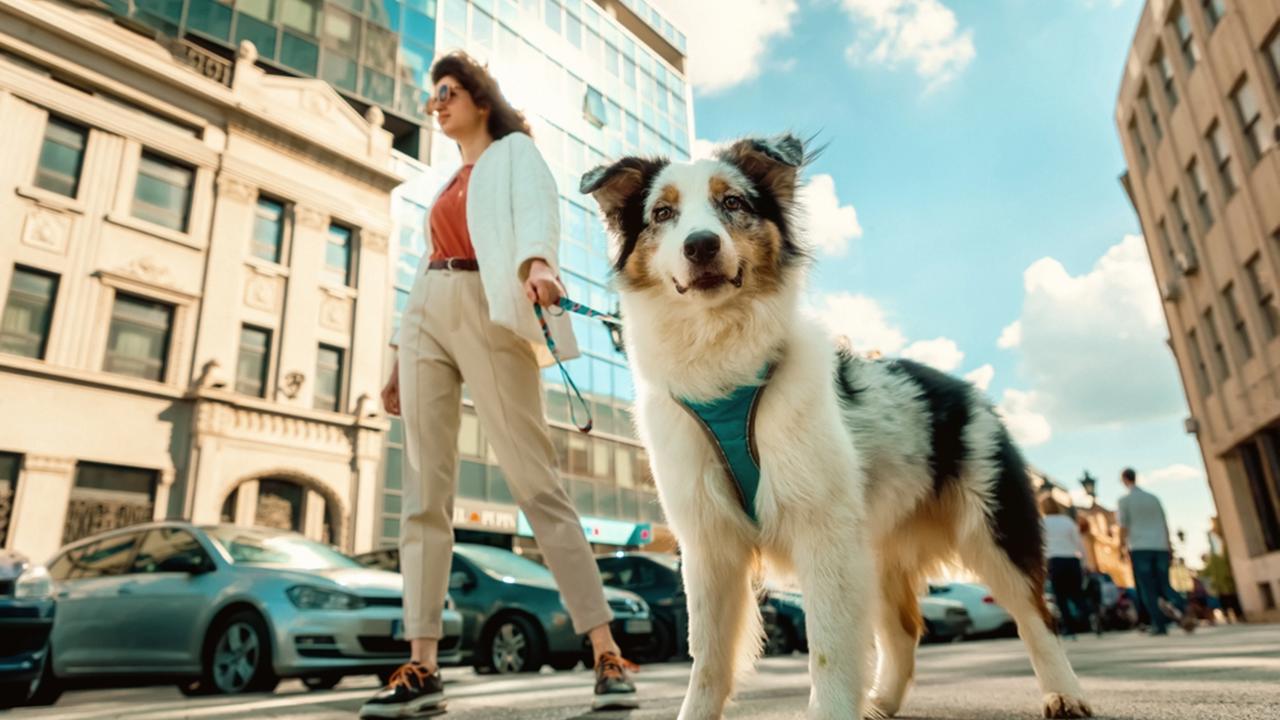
(26, 621)
(512, 617)
(989, 618)
(791, 634)
(656, 578)
(944, 620)
(223, 609)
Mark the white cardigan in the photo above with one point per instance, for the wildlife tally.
(513, 216)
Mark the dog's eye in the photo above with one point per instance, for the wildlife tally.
(662, 214)
(734, 203)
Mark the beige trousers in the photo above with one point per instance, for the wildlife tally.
(446, 339)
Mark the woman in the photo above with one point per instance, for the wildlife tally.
(1064, 549)
(492, 239)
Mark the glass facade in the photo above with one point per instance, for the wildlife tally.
(376, 52)
(591, 90)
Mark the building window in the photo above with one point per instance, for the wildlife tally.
(1184, 231)
(337, 256)
(1273, 54)
(1138, 145)
(163, 192)
(1251, 458)
(1201, 188)
(1220, 364)
(329, 378)
(1243, 343)
(255, 354)
(593, 107)
(1264, 296)
(1186, 40)
(1268, 596)
(1165, 70)
(1163, 231)
(1217, 138)
(28, 313)
(138, 343)
(1153, 117)
(1250, 117)
(61, 157)
(268, 230)
(280, 505)
(1213, 12)
(1197, 361)
(106, 497)
(10, 463)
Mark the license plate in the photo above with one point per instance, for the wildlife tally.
(638, 627)
(397, 629)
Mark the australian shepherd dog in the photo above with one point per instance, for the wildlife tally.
(872, 474)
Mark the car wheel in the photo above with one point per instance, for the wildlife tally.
(48, 689)
(324, 682)
(239, 657)
(661, 645)
(778, 640)
(514, 646)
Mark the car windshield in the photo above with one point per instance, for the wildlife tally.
(665, 559)
(502, 564)
(257, 547)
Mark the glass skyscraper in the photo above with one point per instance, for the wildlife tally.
(596, 79)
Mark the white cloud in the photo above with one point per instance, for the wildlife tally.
(921, 33)
(1176, 473)
(862, 320)
(829, 226)
(1027, 426)
(729, 39)
(1011, 336)
(981, 376)
(1093, 345)
(942, 353)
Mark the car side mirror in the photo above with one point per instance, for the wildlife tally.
(460, 581)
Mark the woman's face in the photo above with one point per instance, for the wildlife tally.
(455, 110)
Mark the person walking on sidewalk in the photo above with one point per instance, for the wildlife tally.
(1144, 533)
(493, 239)
(1064, 550)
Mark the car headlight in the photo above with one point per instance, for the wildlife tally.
(34, 584)
(308, 597)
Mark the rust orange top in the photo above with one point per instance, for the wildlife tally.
(449, 235)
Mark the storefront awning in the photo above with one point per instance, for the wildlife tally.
(605, 532)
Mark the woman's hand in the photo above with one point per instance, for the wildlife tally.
(391, 391)
(541, 286)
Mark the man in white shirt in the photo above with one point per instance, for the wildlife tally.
(1145, 533)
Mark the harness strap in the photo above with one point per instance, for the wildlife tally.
(729, 424)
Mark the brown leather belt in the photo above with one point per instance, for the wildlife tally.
(467, 264)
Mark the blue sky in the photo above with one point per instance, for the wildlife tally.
(968, 210)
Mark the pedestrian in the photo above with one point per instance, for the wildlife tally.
(1144, 535)
(492, 244)
(1064, 550)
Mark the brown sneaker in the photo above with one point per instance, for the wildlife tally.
(614, 690)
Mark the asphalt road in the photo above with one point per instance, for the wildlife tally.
(1217, 673)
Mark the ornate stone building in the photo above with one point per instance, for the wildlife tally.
(194, 286)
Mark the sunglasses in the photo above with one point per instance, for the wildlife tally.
(444, 94)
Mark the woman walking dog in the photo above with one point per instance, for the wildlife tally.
(493, 239)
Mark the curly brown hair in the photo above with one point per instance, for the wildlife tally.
(485, 93)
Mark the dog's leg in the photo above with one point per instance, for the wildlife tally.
(725, 633)
(1022, 594)
(898, 628)
(833, 563)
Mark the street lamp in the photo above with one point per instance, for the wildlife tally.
(1090, 485)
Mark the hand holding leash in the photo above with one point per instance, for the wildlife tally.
(542, 286)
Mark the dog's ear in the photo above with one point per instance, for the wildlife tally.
(772, 163)
(616, 186)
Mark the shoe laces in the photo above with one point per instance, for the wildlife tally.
(614, 667)
(411, 675)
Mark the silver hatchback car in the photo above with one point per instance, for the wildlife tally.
(225, 609)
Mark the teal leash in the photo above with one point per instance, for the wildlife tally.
(567, 305)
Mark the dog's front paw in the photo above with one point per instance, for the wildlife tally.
(880, 708)
(1057, 705)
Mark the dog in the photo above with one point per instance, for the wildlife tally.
(872, 474)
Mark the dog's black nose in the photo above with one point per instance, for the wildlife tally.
(701, 247)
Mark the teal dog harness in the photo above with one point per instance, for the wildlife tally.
(729, 423)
